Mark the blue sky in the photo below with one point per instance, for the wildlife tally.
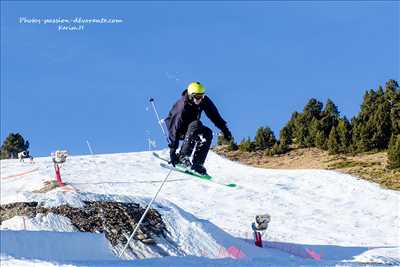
(260, 61)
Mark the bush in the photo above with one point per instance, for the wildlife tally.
(232, 146)
(247, 145)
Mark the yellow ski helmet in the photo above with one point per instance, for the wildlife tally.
(196, 88)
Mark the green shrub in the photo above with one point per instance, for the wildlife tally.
(247, 145)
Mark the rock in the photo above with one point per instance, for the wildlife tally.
(117, 220)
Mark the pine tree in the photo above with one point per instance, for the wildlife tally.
(331, 109)
(344, 135)
(377, 119)
(312, 109)
(299, 124)
(321, 140)
(333, 142)
(316, 133)
(12, 145)
(330, 116)
(285, 138)
(381, 122)
(394, 152)
(395, 114)
(364, 126)
(392, 96)
(265, 138)
(302, 131)
(292, 127)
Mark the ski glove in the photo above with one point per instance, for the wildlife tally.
(174, 159)
(227, 134)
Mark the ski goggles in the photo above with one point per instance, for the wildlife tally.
(197, 96)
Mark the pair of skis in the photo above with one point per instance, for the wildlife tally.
(182, 169)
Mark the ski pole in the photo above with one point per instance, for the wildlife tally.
(158, 119)
(89, 146)
(144, 214)
(159, 189)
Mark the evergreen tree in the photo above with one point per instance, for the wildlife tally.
(299, 124)
(265, 138)
(285, 138)
(381, 123)
(317, 136)
(333, 142)
(330, 117)
(394, 152)
(321, 129)
(344, 135)
(291, 126)
(395, 114)
(331, 109)
(12, 145)
(377, 119)
(302, 133)
(364, 127)
(321, 140)
(312, 109)
(392, 96)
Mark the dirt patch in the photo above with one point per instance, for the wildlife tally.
(117, 220)
(369, 166)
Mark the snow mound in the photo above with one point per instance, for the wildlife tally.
(335, 218)
(59, 246)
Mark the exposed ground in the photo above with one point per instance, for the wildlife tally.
(369, 166)
(108, 217)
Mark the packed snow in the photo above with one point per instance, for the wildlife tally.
(319, 217)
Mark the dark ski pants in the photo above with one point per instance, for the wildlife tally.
(198, 134)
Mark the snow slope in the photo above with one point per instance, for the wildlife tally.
(319, 214)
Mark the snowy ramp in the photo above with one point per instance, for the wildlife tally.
(58, 246)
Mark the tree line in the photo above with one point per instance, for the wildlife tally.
(375, 128)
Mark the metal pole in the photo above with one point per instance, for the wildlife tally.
(158, 118)
(90, 148)
(144, 214)
(159, 189)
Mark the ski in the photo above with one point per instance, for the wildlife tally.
(182, 169)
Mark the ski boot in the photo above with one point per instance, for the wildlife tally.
(185, 162)
(198, 168)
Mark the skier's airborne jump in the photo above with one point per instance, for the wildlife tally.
(183, 123)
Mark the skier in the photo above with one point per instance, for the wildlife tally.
(183, 123)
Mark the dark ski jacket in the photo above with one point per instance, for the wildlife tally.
(184, 112)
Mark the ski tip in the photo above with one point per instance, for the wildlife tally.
(231, 185)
